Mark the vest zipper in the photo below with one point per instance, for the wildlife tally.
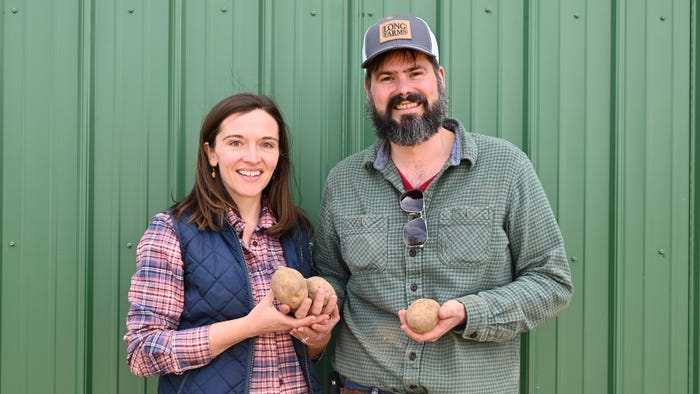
(304, 355)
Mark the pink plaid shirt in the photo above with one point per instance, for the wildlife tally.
(157, 347)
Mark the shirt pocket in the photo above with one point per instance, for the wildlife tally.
(464, 235)
(363, 242)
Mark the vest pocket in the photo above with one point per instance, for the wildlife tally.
(363, 242)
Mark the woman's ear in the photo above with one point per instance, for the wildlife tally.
(211, 155)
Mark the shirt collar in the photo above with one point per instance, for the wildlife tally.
(266, 220)
(380, 156)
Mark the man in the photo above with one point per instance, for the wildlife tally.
(433, 211)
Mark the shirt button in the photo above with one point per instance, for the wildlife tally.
(413, 386)
(281, 381)
(414, 287)
(412, 356)
(412, 253)
(472, 335)
(255, 243)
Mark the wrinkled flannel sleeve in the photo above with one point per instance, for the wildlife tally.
(327, 258)
(156, 296)
(542, 284)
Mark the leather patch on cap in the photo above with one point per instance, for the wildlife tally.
(395, 30)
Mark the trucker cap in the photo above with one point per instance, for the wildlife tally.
(396, 32)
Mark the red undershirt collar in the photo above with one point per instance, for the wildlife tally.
(407, 186)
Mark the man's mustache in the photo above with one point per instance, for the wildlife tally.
(413, 97)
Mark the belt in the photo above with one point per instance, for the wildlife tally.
(350, 387)
(352, 391)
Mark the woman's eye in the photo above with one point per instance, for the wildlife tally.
(236, 143)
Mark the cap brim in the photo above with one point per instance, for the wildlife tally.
(393, 48)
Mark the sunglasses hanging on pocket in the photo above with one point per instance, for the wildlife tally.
(415, 232)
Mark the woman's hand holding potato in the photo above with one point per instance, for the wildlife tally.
(317, 335)
(307, 297)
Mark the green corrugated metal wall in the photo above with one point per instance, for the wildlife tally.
(100, 110)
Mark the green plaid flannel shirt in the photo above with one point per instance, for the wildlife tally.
(493, 244)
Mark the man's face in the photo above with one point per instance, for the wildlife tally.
(406, 98)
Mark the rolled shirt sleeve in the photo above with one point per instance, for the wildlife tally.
(156, 295)
(541, 285)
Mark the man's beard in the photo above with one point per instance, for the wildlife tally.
(411, 130)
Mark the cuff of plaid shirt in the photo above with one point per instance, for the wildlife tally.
(191, 349)
(477, 311)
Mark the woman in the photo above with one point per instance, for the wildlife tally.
(202, 315)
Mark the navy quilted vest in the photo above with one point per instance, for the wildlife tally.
(216, 289)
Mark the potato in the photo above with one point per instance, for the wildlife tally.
(422, 315)
(316, 282)
(289, 286)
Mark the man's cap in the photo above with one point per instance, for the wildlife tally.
(398, 32)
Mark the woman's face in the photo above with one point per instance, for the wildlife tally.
(246, 150)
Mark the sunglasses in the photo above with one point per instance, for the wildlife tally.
(415, 232)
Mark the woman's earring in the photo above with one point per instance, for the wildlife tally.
(213, 173)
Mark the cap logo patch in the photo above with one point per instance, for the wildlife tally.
(394, 30)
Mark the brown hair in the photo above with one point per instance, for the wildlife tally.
(209, 201)
(408, 55)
